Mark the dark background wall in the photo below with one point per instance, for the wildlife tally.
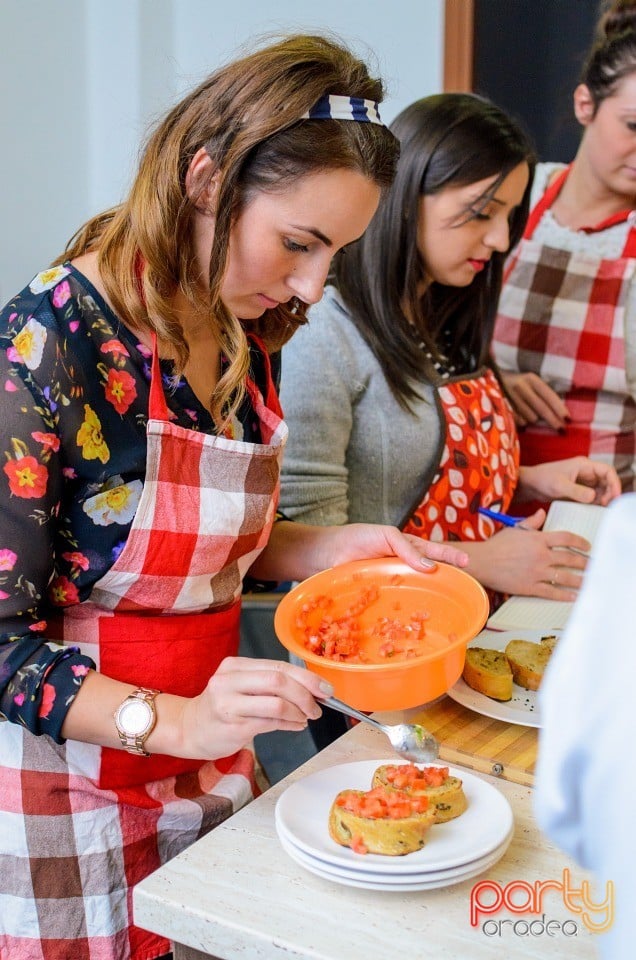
(528, 56)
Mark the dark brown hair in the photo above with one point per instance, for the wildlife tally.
(247, 116)
(447, 140)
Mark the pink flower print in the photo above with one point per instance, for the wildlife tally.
(61, 294)
(14, 356)
(3, 595)
(69, 473)
(39, 627)
(77, 560)
(19, 699)
(9, 385)
(143, 350)
(114, 346)
(7, 559)
(74, 326)
(48, 700)
(79, 670)
(48, 440)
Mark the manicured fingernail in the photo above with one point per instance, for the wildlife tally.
(326, 688)
(428, 563)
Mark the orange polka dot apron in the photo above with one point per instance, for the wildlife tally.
(562, 316)
(98, 820)
(478, 465)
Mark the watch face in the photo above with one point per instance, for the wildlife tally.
(135, 716)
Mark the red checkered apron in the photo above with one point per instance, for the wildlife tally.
(81, 825)
(478, 465)
(562, 315)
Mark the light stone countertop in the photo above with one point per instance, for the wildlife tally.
(236, 895)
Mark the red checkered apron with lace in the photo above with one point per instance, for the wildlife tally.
(562, 316)
(81, 825)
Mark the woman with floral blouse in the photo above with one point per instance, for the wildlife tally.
(141, 437)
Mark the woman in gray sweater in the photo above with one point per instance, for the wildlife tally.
(395, 408)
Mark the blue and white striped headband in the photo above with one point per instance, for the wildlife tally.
(335, 107)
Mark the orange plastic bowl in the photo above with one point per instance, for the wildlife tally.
(457, 608)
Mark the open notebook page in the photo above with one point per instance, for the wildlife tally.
(580, 518)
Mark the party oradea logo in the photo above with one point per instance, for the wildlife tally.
(527, 901)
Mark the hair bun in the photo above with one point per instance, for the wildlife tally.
(618, 17)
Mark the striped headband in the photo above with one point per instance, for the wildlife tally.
(335, 107)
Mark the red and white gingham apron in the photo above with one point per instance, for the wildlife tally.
(81, 824)
(478, 465)
(562, 316)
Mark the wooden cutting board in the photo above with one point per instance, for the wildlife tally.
(501, 749)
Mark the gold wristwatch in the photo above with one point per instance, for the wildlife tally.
(135, 720)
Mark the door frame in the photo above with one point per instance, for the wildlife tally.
(459, 43)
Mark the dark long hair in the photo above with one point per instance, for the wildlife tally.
(612, 55)
(450, 139)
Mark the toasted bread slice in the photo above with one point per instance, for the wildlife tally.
(488, 672)
(550, 641)
(528, 662)
(388, 835)
(447, 799)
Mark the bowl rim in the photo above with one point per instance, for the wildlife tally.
(309, 657)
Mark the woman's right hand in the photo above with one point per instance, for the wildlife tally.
(534, 400)
(246, 697)
(524, 560)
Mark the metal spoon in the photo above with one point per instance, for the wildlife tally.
(410, 740)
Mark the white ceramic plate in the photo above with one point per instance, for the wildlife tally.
(523, 709)
(358, 872)
(302, 815)
(401, 884)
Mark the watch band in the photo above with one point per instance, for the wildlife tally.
(135, 742)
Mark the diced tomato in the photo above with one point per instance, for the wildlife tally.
(358, 844)
(408, 776)
(340, 638)
(381, 804)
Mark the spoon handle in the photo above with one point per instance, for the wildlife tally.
(336, 704)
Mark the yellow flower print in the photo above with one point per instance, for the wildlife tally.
(48, 278)
(90, 439)
(29, 344)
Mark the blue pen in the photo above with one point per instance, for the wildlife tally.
(501, 517)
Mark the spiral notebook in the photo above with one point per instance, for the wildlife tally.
(581, 518)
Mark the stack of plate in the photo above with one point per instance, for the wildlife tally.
(454, 851)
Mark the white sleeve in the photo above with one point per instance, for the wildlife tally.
(586, 771)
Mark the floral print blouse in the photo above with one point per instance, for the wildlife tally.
(75, 389)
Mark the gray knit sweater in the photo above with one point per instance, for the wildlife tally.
(353, 453)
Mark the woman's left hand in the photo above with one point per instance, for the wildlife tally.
(297, 550)
(362, 541)
(579, 478)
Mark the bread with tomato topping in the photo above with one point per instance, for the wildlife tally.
(383, 821)
(445, 793)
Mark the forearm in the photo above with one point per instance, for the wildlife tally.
(90, 718)
(295, 551)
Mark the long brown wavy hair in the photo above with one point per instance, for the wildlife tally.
(247, 116)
